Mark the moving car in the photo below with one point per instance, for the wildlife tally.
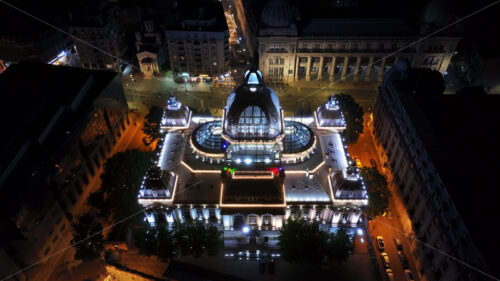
(409, 275)
(398, 244)
(262, 266)
(385, 260)
(402, 258)
(389, 275)
(380, 243)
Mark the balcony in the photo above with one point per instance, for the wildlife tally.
(353, 50)
(277, 51)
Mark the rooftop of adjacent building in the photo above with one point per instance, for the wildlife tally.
(22, 28)
(364, 18)
(199, 15)
(46, 106)
(459, 133)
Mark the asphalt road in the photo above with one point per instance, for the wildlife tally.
(302, 97)
(387, 227)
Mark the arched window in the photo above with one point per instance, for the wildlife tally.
(252, 115)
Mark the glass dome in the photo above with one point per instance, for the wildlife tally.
(253, 111)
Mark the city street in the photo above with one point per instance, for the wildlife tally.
(387, 226)
(303, 96)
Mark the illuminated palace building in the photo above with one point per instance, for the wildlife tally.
(251, 169)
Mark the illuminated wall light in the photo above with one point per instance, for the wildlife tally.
(238, 160)
(248, 161)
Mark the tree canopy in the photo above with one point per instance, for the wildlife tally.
(378, 193)
(87, 238)
(301, 241)
(195, 238)
(120, 181)
(157, 241)
(188, 238)
(152, 123)
(353, 114)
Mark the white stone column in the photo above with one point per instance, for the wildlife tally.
(278, 222)
(369, 69)
(332, 71)
(308, 69)
(320, 70)
(179, 214)
(193, 213)
(381, 72)
(259, 222)
(226, 219)
(217, 215)
(273, 222)
(344, 68)
(206, 214)
(287, 213)
(312, 214)
(296, 70)
(356, 70)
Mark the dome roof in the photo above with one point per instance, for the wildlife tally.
(437, 14)
(253, 111)
(277, 13)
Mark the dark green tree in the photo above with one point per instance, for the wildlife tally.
(121, 179)
(146, 240)
(301, 241)
(156, 240)
(152, 123)
(353, 114)
(166, 246)
(87, 238)
(196, 238)
(378, 192)
(98, 204)
(339, 246)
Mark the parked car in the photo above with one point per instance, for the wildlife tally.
(398, 244)
(409, 275)
(271, 266)
(385, 260)
(402, 258)
(389, 275)
(380, 243)
(262, 266)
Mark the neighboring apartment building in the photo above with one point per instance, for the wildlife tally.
(150, 49)
(97, 26)
(198, 45)
(25, 39)
(341, 49)
(61, 123)
(428, 144)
